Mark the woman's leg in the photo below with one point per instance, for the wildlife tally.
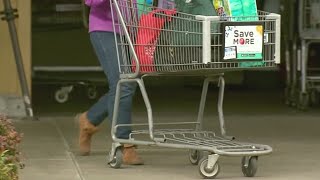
(105, 48)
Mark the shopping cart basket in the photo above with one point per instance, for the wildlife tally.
(161, 41)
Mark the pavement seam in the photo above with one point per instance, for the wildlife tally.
(70, 154)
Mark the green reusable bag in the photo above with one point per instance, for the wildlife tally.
(196, 7)
(186, 32)
(180, 41)
(144, 6)
(239, 10)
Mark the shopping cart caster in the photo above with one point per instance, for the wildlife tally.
(115, 161)
(62, 94)
(293, 104)
(303, 101)
(92, 92)
(249, 166)
(314, 97)
(209, 167)
(294, 97)
(287, 96)
(195, 156)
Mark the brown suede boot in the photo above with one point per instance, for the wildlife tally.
(130, 156)
(86, 130)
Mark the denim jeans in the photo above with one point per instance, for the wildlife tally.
(105, 48)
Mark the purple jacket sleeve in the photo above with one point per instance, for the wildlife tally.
(92, 3)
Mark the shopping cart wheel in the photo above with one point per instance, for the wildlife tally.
(206, 172)
(294, 94)
(117, 159)
(314, 97)
(303, 101)
(287, 96)
(92, 92)
(249, 166)
(195, 156)
(61, 96)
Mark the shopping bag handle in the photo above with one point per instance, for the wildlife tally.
(165, 14)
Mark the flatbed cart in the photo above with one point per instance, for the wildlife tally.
(309, 32)
(71, 16)
(67, 78)
(190, 45)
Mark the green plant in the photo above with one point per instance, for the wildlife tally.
(8, 170)
(9, 153)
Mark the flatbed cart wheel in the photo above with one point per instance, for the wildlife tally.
(92, 93)
(206, 172)
(195, 156)
(249, 166)
(61, 96)
(117, 159)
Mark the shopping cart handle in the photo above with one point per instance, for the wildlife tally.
(207, 18)
(160, 14)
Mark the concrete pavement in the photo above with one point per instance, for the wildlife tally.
(50, 145)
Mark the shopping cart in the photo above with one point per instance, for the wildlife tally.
(290, 38)
(309, 31)
(195, 45)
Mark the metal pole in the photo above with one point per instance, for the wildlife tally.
(9, 16)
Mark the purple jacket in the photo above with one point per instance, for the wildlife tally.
(100, 18)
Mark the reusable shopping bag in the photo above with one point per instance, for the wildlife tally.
(144, 6)
(150, 26)
(239, 10)
(166, 4)
(180, 42)
(191, 37)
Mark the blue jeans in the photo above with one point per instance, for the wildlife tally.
(105, 48)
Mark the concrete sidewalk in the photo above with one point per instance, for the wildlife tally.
(50, 145)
